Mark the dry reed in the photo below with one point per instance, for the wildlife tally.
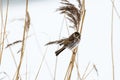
(26, 27)
(3, 30)
(76, 16)
(112, 52)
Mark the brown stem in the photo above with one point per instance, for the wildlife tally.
(23, 43)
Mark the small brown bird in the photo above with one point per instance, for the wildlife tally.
(71, 42)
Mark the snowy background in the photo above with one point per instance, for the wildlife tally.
(46, 23)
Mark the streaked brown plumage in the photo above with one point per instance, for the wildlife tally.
(70, 42)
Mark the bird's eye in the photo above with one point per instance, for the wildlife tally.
(76, 34)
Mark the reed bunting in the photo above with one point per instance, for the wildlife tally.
(71, 42)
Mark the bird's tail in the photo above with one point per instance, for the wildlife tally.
(59, 51)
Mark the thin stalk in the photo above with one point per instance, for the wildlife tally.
(83, 10)
(41, 64)
(1, 10)
(58, 47)
(79, 77)
(115, 9)
(12, 54)
(23, 43)
(85, 72)
(112, 52)
(55, 68)
(38, 71)
(88, 73)
(4, 32)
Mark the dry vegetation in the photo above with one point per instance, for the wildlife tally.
(75, 14)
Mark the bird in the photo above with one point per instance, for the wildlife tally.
(71, 42)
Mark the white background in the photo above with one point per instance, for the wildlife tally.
(94, 48)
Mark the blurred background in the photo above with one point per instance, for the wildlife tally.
(46, 25)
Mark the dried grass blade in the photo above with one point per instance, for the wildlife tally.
(16, 42)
